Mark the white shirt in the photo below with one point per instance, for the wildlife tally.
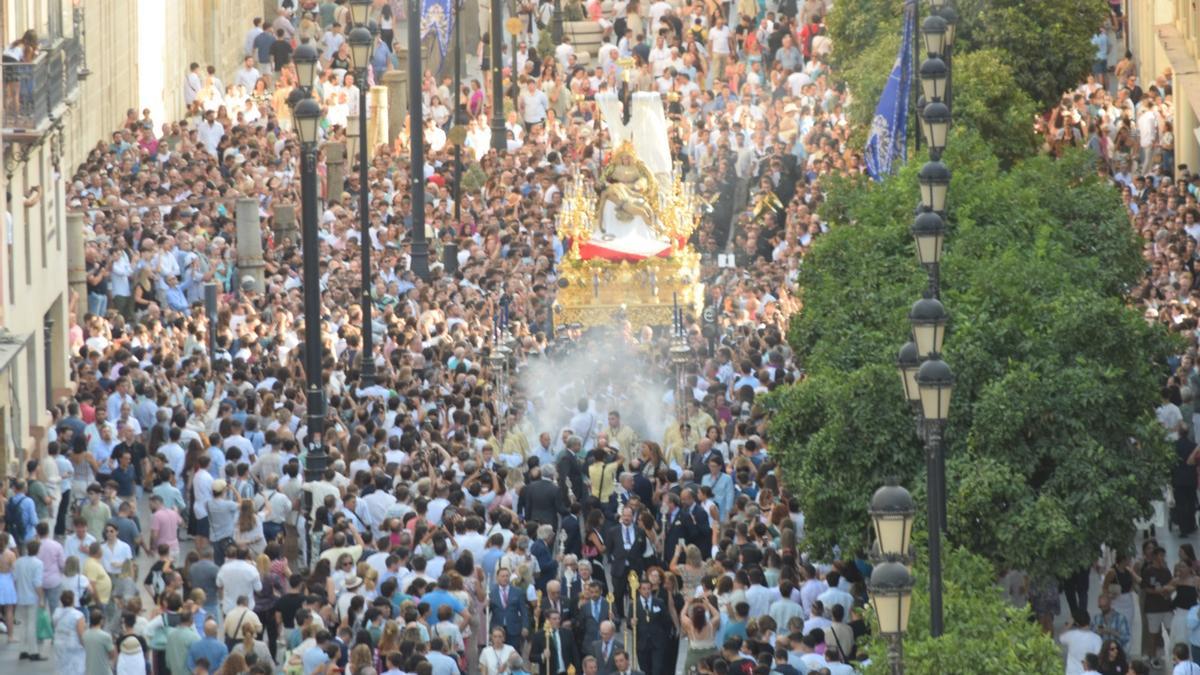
(191, 87)
(237, 578)
(535, 105)
(1186, 668)
(1079, 643)
(247, 77)
(718, 40)
(115, 555)
(210, 134)
(760, 598)
(76, 548)
(202, 493)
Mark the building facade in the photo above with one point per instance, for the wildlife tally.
(95, 60)
(1164, 35)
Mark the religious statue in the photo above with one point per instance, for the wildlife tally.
(630, 187)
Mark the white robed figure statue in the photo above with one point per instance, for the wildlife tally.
(639, 167)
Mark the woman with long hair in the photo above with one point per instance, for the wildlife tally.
(361, 659)
(593, 543)
(250, 644)
(273, 588)
(389, 642)
(700, 622)
(1121, 582)
(1113, 660)
(248, 533)
(234, 664)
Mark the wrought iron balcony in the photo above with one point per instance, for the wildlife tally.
(33, 91)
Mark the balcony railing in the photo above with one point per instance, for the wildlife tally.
(33, 90)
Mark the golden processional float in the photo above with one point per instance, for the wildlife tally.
(628, 231)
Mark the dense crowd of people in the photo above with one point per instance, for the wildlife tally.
(590, 524)
(569, 516)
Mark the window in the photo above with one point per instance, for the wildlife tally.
(25, 222)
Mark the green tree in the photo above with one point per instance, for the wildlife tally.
(984, 634)
(1052, 449)
(1045, 47)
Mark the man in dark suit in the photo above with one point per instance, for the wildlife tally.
(571, 472)
(542, 549)
(507, 606)
(679, 525)
(653, 623)
(620, 496)
(541, 501)
(554, 650)
(591, 610)
(622, 666)
(700, 531)
(643, 488)
(554, 601)
(605, 648)
(626, 543)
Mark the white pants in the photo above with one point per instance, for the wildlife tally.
(26, 617)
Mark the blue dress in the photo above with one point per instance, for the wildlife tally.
(8, 591)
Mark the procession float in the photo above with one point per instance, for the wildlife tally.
(628, 228)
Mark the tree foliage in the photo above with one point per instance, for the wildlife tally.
(1038, 48)
(1052, 449)
(984, 635)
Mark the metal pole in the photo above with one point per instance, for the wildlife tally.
(499, 137)
(896, 655)
(48, 356)
(210, 308)
(513, 79)
(556, 24)
(950, 78)
(416, 128)
(314, 462)
(458, 117)
(933, 500)
(916, 68)
(366, 371)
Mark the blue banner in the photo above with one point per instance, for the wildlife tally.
(888, 142)
(437, 19)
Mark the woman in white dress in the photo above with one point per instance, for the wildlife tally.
(493, 660)
(69, 626)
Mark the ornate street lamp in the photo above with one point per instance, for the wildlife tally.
(305, 58)
(928, 318)
(892, 514)
(935, 381)
(933, 79)
(935, 122)
(890, 588)
(934, 31)
(908, 363)
(929, 232)
(361, 40)
(359, 10)
(935, 182)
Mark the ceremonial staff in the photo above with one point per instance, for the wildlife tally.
(633, 589)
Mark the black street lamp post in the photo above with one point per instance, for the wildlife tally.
(556, 23)
(892, 513)
(361, 40)
(928, 381)
(416, 129)
(306, 113)
(499, 137)
(459, 117)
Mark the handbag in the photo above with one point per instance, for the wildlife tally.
(45, 629)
